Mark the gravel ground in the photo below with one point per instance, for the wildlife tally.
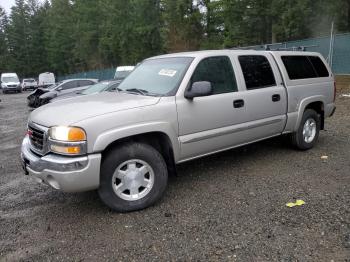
(227, 207)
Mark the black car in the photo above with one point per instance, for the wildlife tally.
(108, 85)
(43, 96)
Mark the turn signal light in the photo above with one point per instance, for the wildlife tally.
(69, 150)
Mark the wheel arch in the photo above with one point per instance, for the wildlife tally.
(157, 139)
(316, 103)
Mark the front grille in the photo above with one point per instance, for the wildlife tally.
(37, 138)
(12, 85)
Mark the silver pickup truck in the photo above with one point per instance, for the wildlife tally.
(171, 109)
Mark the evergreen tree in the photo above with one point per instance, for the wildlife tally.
(66, 36)
(18, 38)
(4, 61)
(183, 25)
(59, 36)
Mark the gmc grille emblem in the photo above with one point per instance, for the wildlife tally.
(30, 133)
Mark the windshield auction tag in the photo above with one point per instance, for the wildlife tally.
(167, 72)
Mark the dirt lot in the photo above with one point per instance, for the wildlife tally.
(229, 207)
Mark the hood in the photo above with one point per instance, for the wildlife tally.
(73, 110)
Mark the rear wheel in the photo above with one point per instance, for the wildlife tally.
(133, 176)
(307, 134)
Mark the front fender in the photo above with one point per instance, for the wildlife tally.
(110, 136)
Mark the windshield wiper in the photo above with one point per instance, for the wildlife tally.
(138, 90)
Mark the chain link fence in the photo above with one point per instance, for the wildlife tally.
(337, 53)
(102, 74)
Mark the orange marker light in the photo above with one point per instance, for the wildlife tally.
(76, 134)
(72, 150)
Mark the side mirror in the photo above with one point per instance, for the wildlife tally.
(202, 88)
(59, 89)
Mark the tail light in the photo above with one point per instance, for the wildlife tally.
(335, 90)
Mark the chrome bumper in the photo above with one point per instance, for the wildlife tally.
(69, 174)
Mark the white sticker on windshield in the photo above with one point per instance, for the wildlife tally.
(167, 72)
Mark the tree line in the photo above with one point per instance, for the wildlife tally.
(66, 36)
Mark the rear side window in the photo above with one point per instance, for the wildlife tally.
(319, 66)
(70, 84)
(257, 71)
(303, 67)
(85, 82)
(219, 72)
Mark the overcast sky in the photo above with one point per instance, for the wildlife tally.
(7, 4)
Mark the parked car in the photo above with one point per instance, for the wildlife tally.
(46, 79)
(103, 86)
(10, 83)
(43, 96)
(123, 71)
(172, 109)
(29, 83)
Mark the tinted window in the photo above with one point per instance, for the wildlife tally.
(85, 83)
(219, 72)
(299, 67)
(319, 66)
(70, 84)
(257, 71)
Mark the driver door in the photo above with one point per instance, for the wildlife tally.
(206, 123)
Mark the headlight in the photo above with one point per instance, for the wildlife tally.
(67, 140)
(69, 134)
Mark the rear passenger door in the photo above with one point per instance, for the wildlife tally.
(264, 98)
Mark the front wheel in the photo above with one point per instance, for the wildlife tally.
(133, 176)
(307, 134)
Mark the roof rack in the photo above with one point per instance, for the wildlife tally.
(294, 48)
(267, 47)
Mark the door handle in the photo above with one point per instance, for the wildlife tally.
(238, 103)
(276, 98)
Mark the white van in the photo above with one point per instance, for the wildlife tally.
(29, 83)
(46, 79)
(10, 83)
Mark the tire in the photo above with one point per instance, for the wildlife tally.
(111, 190)
(308, 141)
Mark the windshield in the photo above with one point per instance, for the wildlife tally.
(157, 76)
(95, 88)
(121, 74)
(7, 79)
